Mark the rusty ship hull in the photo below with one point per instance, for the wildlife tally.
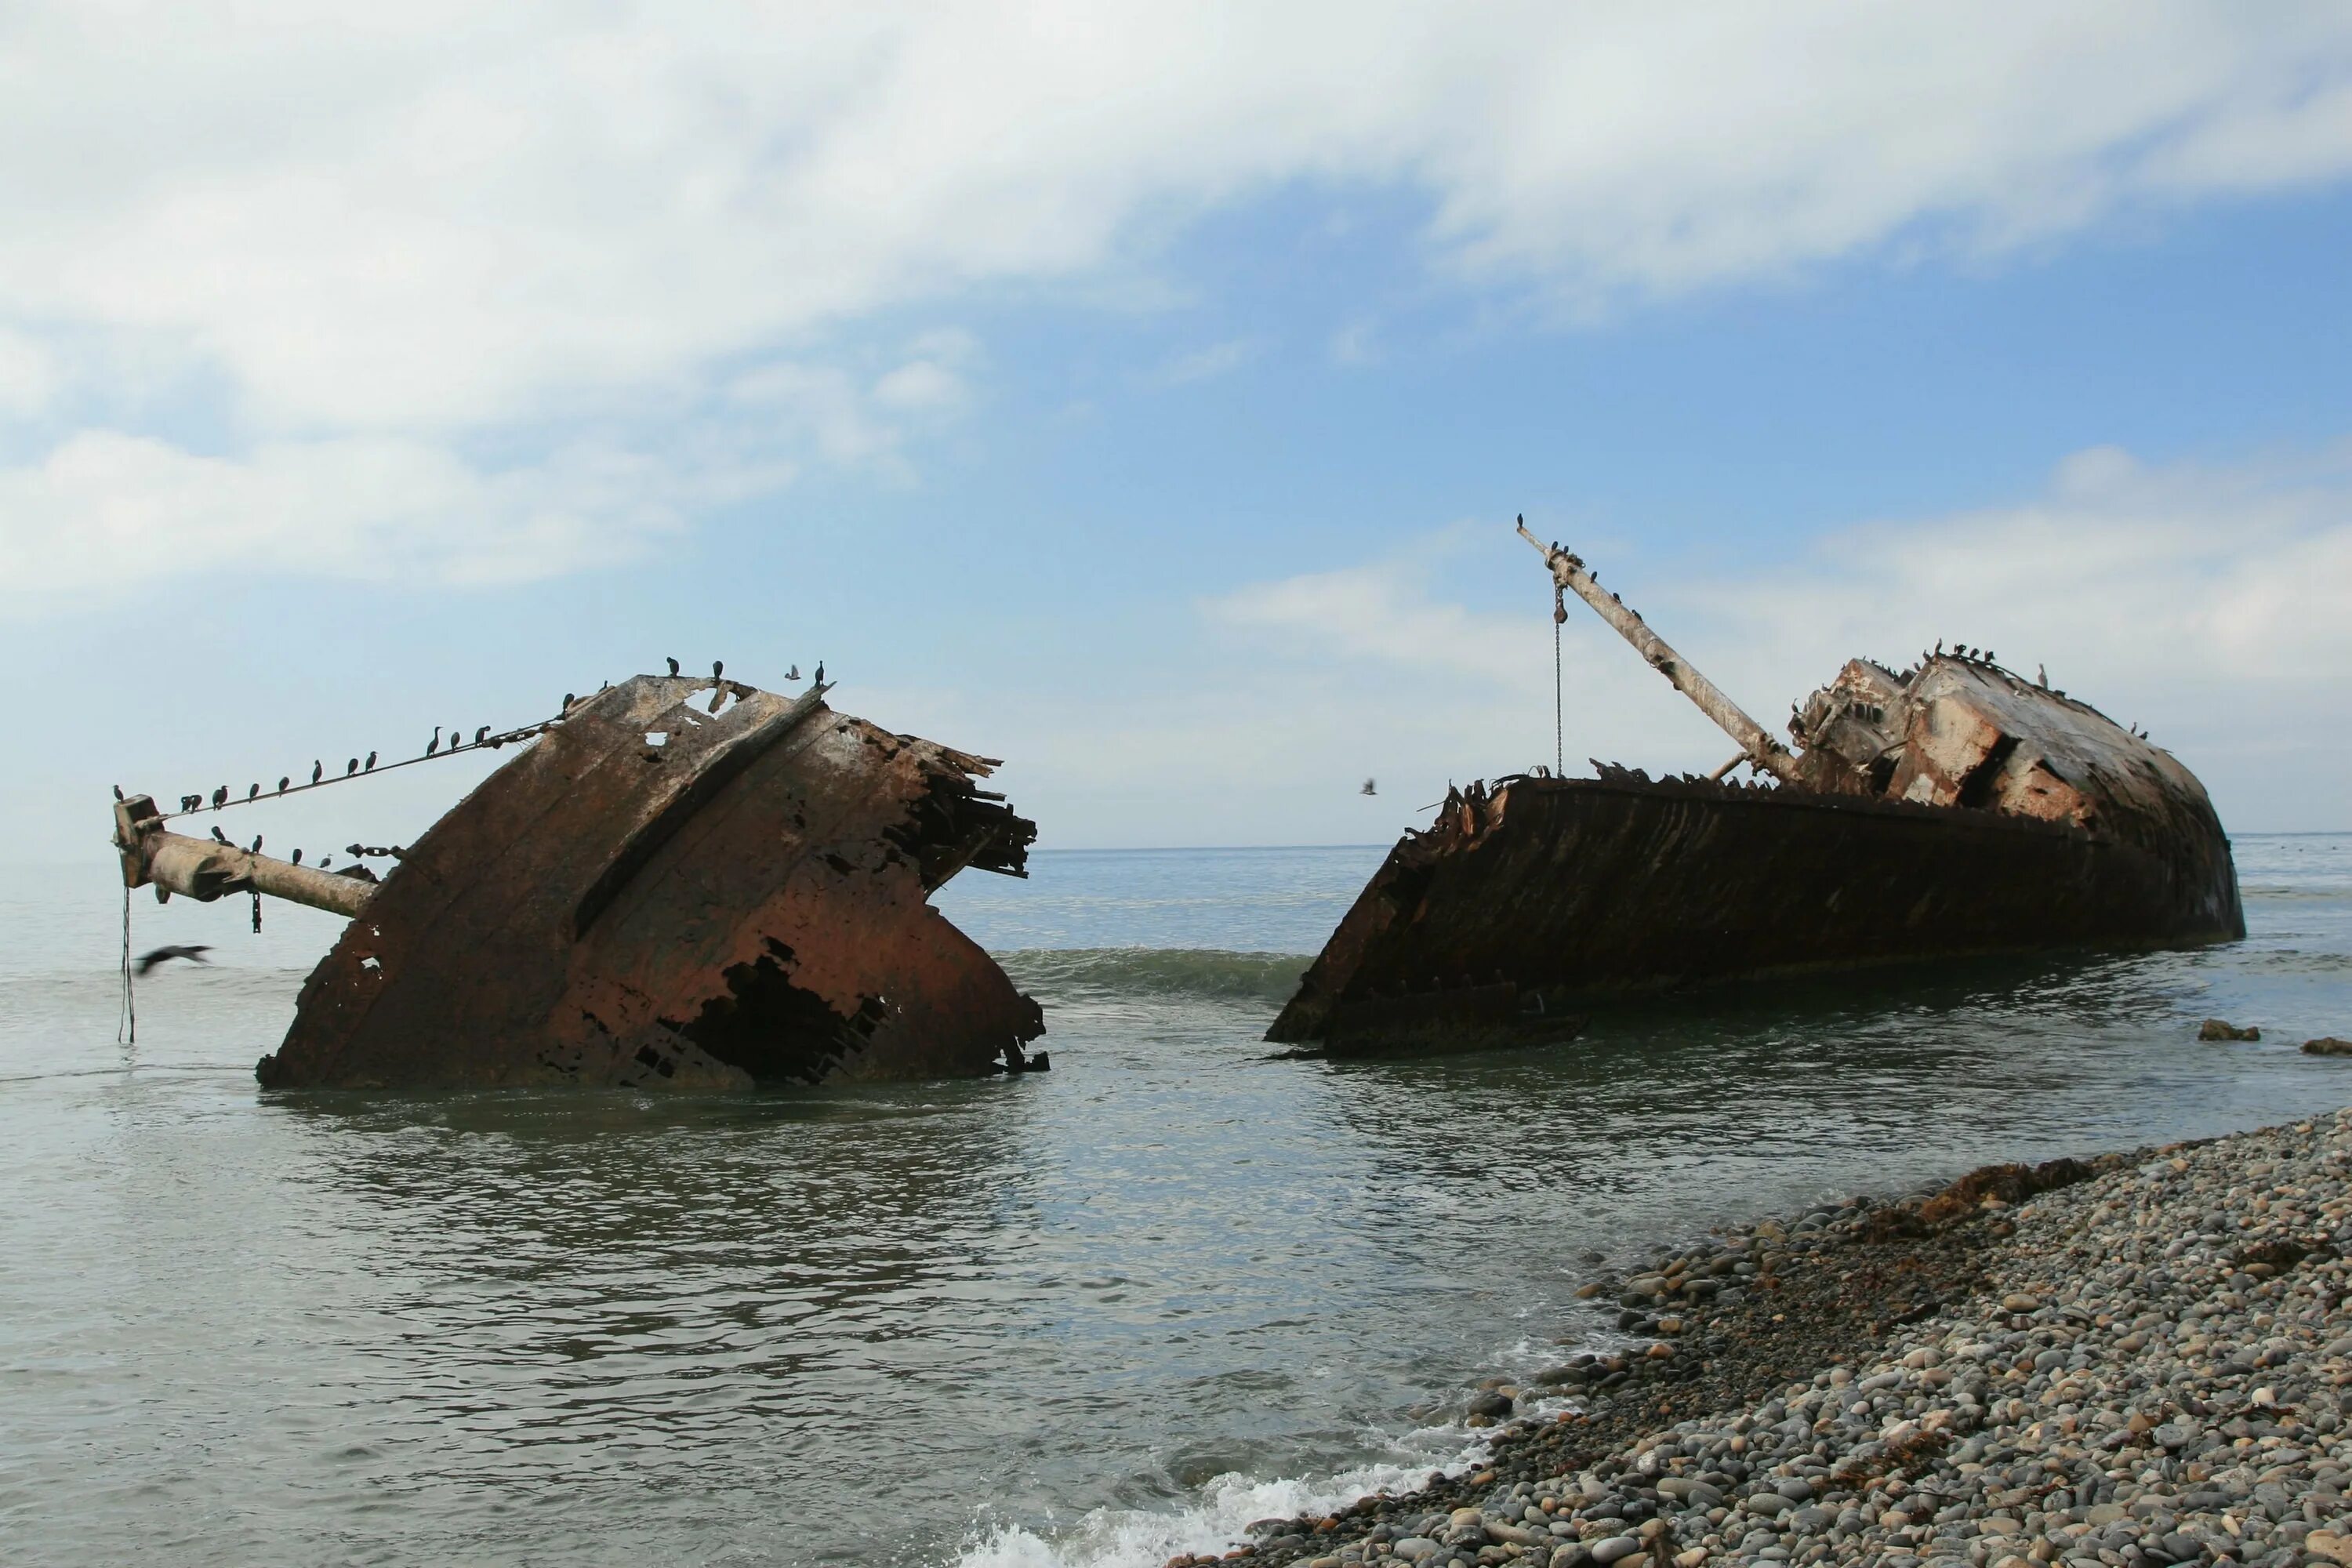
(1520, 906)
(1948, 809)
(681, 883)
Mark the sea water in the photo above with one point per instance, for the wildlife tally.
(1093, 1316)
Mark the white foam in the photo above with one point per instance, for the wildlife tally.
(1222, 1510)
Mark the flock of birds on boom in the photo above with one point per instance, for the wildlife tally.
(358, 767)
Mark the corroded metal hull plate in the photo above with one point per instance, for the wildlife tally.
(1517, 906)
(654, 895)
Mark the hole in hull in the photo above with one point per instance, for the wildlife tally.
(775, 1030)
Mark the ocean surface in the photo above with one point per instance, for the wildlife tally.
(1093, 1316)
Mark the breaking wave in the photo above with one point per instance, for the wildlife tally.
(1218, 1512)
(1097, 972)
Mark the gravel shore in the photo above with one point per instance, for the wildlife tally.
(2140, 1358)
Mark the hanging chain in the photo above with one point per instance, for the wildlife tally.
(1559, 728)
(126, 1026)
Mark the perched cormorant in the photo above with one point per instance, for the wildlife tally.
(220, 797)
(568, 701)
(351, 767)
(673, 667)
(283, 780)
(368, 767)
(118, 791)
(2041, 675)
(820, 672)
(218, 836)
(718, 668)
(297, 858)
(256, 845)
(318, 771)
(252, 791)
(481, 734)
(193, 952)
(435, 743)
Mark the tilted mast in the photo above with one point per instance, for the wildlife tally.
(1756, 744)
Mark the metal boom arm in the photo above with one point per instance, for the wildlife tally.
(1756, 744)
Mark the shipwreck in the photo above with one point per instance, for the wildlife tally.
(1948, 809)
(658, 891)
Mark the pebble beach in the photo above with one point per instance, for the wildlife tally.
(2127, 1360)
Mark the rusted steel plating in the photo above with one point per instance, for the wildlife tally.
(660, 893)
(1946, 810)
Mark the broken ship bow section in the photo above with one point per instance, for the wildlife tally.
(665, 893)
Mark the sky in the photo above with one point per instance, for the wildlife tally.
(1144, 395)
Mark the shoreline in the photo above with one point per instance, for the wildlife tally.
(2137, 1359)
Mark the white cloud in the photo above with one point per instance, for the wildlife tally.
(2135, 580)
(1206, 364)
(28, 374)
(105, 511)
(2213, 604)
(1356, 344)
(1383, 612)
(373, 218)
(918, 385)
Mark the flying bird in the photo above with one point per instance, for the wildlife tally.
(1369, 788)
(194, 952)
(433, 744)
(318, 771)
(794, 673)
(368, 767)
(673, 667)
